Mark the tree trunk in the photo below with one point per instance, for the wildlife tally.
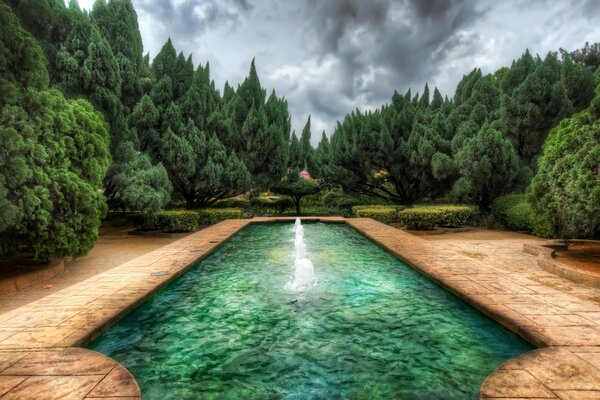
(297, 204)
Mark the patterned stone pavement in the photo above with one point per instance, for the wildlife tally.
(39, 358)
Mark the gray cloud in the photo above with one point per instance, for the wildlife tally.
(328, 57)
(187, 19)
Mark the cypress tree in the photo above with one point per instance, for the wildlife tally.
(488, 167)
(55, 155)
(565, 191)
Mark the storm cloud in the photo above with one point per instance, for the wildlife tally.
(328, 57)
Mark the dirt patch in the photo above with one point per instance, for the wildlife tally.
(585, 258)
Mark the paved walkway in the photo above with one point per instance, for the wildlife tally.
(114, 248)
(497, 279)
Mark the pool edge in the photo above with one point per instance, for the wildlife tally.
(133, 284)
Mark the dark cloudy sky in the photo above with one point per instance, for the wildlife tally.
(328, 57)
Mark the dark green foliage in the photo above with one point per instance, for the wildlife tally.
(514, 212)
(588, 56)
(99, 57)
(296, 190)
(307, 154)
(165, 62)
(215, 215)
(337, 199)
(565, 192)
(200, 168)
(117, 22)
(136, 184)
(294, 154)
(428, 217)
(250, 91)
(171, 221)
(22, 62)
(266, 150)
(390, 153)
(55, 154)
(534, 106)
(385, 214)
(268, 204)
(488, 168)
(321, 156)
(232, 202)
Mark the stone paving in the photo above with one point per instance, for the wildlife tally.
(40, 358)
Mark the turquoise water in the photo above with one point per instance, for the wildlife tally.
(371, 327)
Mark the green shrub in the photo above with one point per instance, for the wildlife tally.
(521, 217)
(267, 204)
(385, 214)
(514, 212)
(453, 216)
(171, 221)
(428, 217)
(214, 215)
(502, 204)
(419, 218)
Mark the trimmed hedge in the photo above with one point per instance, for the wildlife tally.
(514, 212)
(214, 215)
(417, 218)
(428, 217)
(385, 214)
(171, 221)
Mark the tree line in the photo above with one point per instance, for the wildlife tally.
(91, 123)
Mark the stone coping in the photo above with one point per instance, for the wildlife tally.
(567, 326)
(547, 262)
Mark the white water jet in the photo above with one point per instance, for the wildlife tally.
(304, 270)
(300, 248)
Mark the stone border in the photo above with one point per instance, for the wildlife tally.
(27, 279)
(547, 262)
(542, 315)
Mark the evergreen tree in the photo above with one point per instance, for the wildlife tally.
(488, 167)
(266, 150)
(321, 155)
(250, 91)
(55, 153)
(588, 56)
(307, 153)
(388, 153)
(165, 62)
(534, 106)
(200, 168)
(117, 22)
(565, 192)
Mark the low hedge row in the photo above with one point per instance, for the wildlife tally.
(428, 217)
(514, 212)
(418, 217)
(385, 214)
(172, 221)
(214, 215)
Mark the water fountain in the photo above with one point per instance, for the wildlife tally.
(304, 271)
